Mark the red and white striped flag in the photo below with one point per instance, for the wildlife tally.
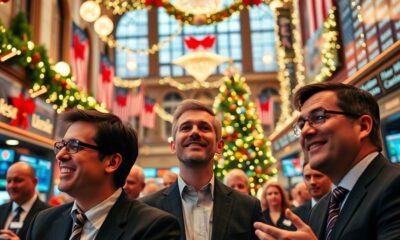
(265, 109)
(120, 107)
(80, 56)
(316, 13)
(148, 116)
(136, 101)
(105, 87)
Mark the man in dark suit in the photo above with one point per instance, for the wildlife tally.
(21, 187)
(318, 185)
(205, 207)
(340, 134)
(95, 157)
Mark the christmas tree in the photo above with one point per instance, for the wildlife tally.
(245, 147)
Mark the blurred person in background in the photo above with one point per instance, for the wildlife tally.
(300, 194)
(275, 201)
(318, 185)
(238, 180)
(151, 187)
(134, 183)
(169, 178)
(16, 215)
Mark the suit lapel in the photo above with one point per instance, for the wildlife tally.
(356, 196)
(172, 203)
(62, 226)
(5, 210)
(222, 209)
(319, 215)
(113, 226)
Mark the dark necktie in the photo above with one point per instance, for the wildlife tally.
(337, 197)
(16, 217)
(79, 220)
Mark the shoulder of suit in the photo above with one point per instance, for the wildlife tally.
(145, 210)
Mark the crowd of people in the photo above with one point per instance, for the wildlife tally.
(349, 189)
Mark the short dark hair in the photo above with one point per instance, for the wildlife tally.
(194, 105)
(350, 99)
(113, 136)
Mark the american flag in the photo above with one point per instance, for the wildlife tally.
(105, 87)
(314, 13)
(136, 101)
(265, 109)
(148, 116)
(120, 107)
(79, 56)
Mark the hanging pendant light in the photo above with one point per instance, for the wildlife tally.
(90, 11)
(103, 26)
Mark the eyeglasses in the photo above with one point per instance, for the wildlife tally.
(317, 117)
(72, 146)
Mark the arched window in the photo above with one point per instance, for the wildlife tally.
(132, 32)
(228, 43)
(170, 103)
(263, 39)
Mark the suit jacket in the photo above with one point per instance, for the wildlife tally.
(127, 219)
(6, 208)
(372, 209)
(303, 211)
(233, 213)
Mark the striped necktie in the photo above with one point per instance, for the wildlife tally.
(15, 219)
(337, 197)
(79, 220)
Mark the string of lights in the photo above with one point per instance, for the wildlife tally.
(112, 43)
(192, 85)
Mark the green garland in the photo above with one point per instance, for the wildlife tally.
(62, 92)
(120, 7)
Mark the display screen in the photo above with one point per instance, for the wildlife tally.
(291, 167)
(6, 159)
(393, 147)
(43, 170)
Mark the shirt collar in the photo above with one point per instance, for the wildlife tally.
(182, 184)
(350, 179)
(26, 206)
(97, 214)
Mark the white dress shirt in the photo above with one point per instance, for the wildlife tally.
(96, 216)
(197, 209)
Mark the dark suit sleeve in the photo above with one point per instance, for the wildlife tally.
(388, 225)
(165, 227)
(257, 217)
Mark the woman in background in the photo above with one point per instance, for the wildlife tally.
(274, 202)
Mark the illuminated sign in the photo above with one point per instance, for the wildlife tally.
(6, 110)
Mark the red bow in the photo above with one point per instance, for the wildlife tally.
(121, 100)
(158, 3)
(79, 48)
(105, 73)
(207, 42)
(25, 108)
(255, 2)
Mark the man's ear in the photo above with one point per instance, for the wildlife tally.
(113, 163)
(365, 126)
(172, 146)
(220, 146)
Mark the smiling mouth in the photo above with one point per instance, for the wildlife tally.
(315, 145)
(195, 144)
(66, 170)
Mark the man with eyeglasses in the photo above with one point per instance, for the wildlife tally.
(95, 157)
(339, 128)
